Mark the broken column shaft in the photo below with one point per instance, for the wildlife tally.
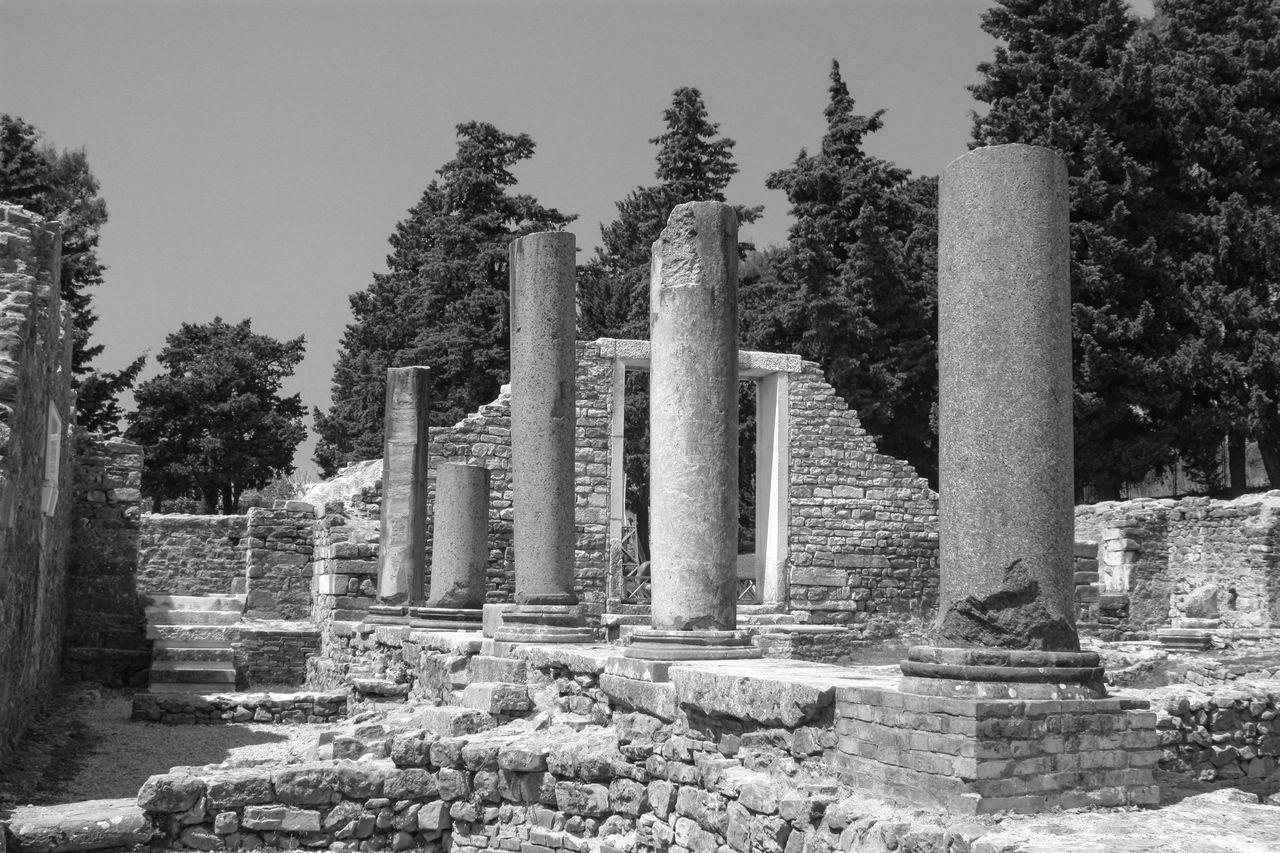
(404, 487)
(460, 537)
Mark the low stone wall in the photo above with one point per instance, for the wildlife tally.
(191, 554)
(273, 654)
(1226, 737)
(226, 708)
(344, 566)
(1210, 672)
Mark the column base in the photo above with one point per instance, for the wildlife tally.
(544, 623)
(446, 618)
(387, 614)
(984, 673)
(657, 644)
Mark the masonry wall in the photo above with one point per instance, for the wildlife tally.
(106, 625)
(35, 376)
(191, 554)
(863, 526)
(1155, 552)
(280, 547)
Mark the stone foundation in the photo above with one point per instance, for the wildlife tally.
(1228, 737)
(978, 757)
(227, 708)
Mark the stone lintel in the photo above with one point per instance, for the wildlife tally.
(751, 363)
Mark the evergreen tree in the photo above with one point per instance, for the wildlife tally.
(856, 289)
(1064, 77)
(443, 300)
(215, 423)
(694, 164)
(1217, 70)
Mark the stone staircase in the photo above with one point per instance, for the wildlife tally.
(191, 642)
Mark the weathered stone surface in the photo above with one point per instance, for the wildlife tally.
(412, 748)
(434, 816)
(763, 700)
(409, 784)
(460, 536)
(590, 755)
(543, 415)
(579, 798)
(1004, 297)
(656, 698)
(89, 825)
(170, 792)
(693, 415)
(452, 721)
(404, 485)
(1201, 603)
(236, 788)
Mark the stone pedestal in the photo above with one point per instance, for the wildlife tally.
(404, 489)
(543, 420)
(459, 547)
(693, 422)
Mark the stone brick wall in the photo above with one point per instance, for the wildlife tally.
(1158, 551)
(191, 554)
(864, 526)
(273, 655)
(278, 555)
(106, 625)
(35, 377)
(344, 567)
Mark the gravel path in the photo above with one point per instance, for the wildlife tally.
(86, 748)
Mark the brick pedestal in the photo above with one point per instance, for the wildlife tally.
(971, 756)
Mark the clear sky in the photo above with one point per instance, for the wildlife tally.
(255, 156)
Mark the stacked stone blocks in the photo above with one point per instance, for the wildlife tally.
(979, 757)
(182, 554)
(1229, 736)
(278, 552)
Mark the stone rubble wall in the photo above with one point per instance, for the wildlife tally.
(191, 554)
(182, 709)
(35, 375)
(1207, 672)
(344, 565)
(273, 654)
(106, 629)
(864, 526)
(1158, 551)
(278, 556)
(1226, 737)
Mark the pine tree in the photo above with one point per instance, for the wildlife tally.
(856, 288)
(215, 422)
(443, 300)
(1217, 81)
(1064, 77)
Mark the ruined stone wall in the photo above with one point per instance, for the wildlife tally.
(864, 526)
(273, 655)
(191, 554)
(35, 517)
(1158, 551)
(1226, 737)
(106, 625)
(278, 556)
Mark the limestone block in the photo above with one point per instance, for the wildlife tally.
(767, 701)
(89, 825)
(170, 792)
(582, 798)
(434, 816)
(657, 699)
(238, 788)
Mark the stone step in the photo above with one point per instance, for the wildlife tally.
(89, 825)
(487, 668)
(191, 687)
(197, 602)
(212, 672)
(193, 654)
(206, 635)
(165, 616)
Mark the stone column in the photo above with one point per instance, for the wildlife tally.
(543, 422)
(1006, 480)
(404, 489)
(460, 537)
(693, 426)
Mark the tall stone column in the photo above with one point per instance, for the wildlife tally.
(404, 489)
(1006, 609)
(459, 549)
(543, 423)
(693, 427)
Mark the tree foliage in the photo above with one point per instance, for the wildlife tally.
(856, 288)
(215, 422)
(59, 186)
(694, 163)
(443, 300)
(1064, 77)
